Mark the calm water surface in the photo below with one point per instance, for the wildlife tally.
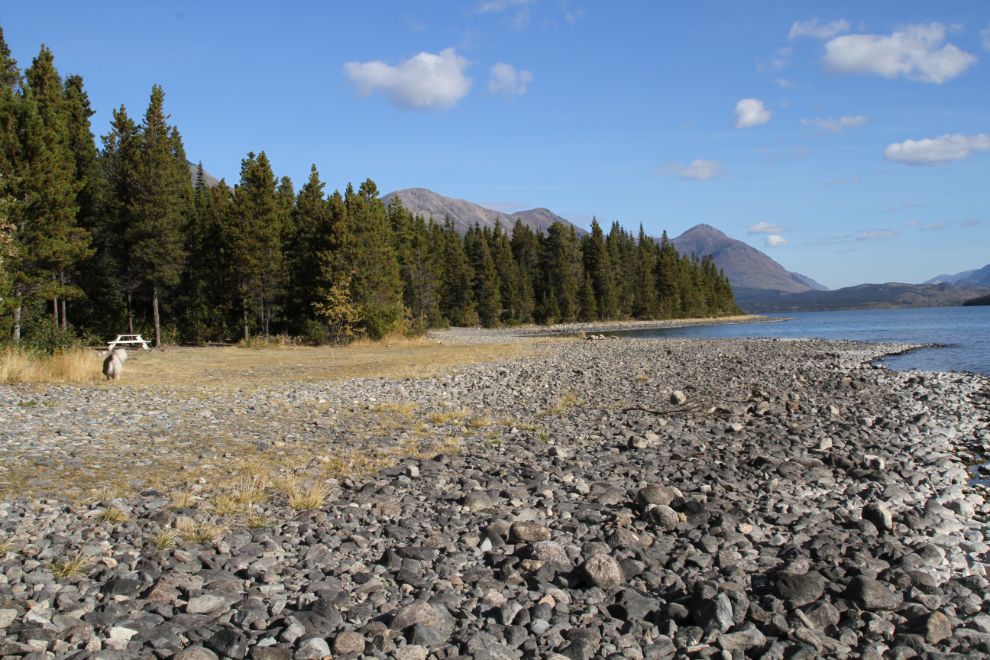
(965, 330)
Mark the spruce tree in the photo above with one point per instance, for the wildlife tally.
(10, 74)
(588, 305)
(376, 286)
(312, 236)
(486, 281)
(505, 265)
(160, 204)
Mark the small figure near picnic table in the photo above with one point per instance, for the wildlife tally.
(113, 366)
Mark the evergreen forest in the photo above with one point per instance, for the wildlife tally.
(103, 237)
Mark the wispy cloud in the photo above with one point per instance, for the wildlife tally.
(766, 228)
(835, 240)
(848, 250)
(914, 53)
(518, 21)
(775, 62)
(985, 38)
(875, 234)
(818, 30)
(425, 82)
(414, 23)
(972, 223)
(784, 82)
(751, 112)
(836, 125)
(698, 170)
(935, 226)
(573, 17)
(773, 240)
(937, 151)
(800, 152)
(502, 5)
(506, 81)
(835, 182)
(911, 223)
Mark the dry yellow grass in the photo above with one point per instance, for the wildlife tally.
(237, 367)
(67, 568)
(450, 416)
(562, 404)
(77, 366)
(480, 422)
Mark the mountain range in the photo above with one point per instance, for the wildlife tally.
(465, 214)
(760, 284)
(967, 278)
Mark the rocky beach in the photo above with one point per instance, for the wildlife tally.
(615, 498)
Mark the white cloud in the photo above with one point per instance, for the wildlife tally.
(915, 53)
(937, 151)
(871, 234)
(766, 228)
(775, 241)
(751, 112)
(935, 226)
(813, 29)
(506, 81)
(502, 5)
(573, 16)
(423, 82)
(835, 125)
(698, 170)
(911, 223)
(848, 250)
(985, 34)
(784, 82)
(776, 62)
(972, 223)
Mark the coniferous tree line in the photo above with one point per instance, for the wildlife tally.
(119, 238)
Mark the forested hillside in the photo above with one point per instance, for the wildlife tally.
(115, 238)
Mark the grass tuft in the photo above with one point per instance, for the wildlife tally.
(480, 422)
(308, 498)
(401, 408)
(112, 515)
(226, 505)
(204, 533)
(257, 521)
(183, 500)
(5, 546)
(67, 568)
(165, 539)
(562, 404)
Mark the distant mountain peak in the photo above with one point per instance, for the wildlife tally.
(211, 180)
(465, 214)
(745, 266)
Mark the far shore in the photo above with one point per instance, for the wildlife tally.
(564, 330)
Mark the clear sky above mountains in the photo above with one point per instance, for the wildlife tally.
(849, 141)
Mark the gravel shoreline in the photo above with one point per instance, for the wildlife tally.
(532, 331)
(630, 499)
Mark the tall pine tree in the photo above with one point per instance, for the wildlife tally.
(160, 204)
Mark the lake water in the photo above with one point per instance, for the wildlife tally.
(965, 331)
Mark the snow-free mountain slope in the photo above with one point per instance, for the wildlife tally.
(465, 214)
(743, 265)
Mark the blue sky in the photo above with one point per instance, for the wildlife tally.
(849, 141)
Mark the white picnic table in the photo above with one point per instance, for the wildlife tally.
(127, 339)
